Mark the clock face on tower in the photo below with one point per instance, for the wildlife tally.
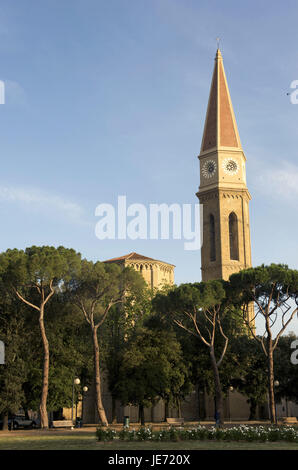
(230, 166)
(209, 169)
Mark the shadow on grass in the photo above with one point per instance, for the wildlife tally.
(89, 442)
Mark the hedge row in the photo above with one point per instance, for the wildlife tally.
(201, 433)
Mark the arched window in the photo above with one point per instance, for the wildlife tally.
(212, 238)
(233, 232)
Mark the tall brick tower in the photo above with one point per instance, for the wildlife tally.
(223, 192)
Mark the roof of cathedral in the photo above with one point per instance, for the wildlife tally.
(134, 257)
(220, 124)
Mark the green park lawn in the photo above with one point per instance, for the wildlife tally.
(86, 440)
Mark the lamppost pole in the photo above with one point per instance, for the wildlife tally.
(75, 381)
(85, 390)
(276, 384)
(229, 401)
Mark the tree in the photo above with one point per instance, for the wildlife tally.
(274, 291)
(249, 371)
(119, 326)
(13, 372)
(70, 354)
(35, 275)
(285, 372)
(195, 354)
(152, 368)
(177, 383)
(199, 309)
(98, 288)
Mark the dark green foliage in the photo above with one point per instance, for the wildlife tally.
(13, 373)
(272, 286)
(274, 291)
(33, 274)
(152, 368)
(146, 357)
(70, 355)
(286, 373)
(247, 371)
(98, 286)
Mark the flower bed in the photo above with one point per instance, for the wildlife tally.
(200, 433)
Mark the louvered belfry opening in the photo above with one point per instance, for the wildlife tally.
(233, 232)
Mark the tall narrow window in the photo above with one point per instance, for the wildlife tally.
(212, 238)
(233, 231)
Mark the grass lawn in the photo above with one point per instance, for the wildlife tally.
(86, 440)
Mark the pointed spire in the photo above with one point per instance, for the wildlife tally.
(220, 124)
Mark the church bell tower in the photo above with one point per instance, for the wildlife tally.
(223, 192)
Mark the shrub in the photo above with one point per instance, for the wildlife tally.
(235, 433)
(104, 434)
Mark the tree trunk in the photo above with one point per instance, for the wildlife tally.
(142, 415)
(252, 409)
(5, 422)
(179, 408)
(271, 381)
(99, 405)
(45, 378)
(114, 415)
(166, 410)
(218, 391)
(204, 403)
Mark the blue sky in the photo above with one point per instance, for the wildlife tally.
(108, 98)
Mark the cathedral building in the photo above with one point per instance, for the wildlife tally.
(156, 273)
(226, 246)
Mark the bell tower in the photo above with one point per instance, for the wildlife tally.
(223, 192)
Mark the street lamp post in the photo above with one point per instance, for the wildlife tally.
(76, 381)
(276, 384)
(85, 390)
(229, 402)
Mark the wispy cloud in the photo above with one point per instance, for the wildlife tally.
(37, 199)
(279, 181)
(14, 93)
